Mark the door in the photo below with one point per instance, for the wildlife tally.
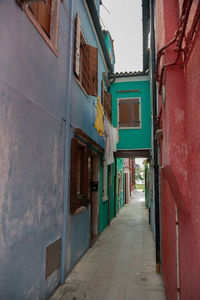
(94, 213)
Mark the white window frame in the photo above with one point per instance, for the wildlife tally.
(140, 116)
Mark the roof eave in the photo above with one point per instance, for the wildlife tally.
(95, 18)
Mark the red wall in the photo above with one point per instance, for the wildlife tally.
(180, 176)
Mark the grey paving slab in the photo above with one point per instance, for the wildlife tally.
(121, 265)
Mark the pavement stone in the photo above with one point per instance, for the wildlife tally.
(121, 265)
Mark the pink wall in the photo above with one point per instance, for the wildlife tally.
(180, 175)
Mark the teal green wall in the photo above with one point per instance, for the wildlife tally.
(109, 46)
(133, 138)
(112, 193)
(120, 168)
(103, 205)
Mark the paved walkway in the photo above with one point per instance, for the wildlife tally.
(121, 265)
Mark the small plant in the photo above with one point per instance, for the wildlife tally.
(83, 200)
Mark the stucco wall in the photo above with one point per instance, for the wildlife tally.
(32, 97)
(180, 174)
(83, 115)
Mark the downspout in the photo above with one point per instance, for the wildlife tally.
(115, 186)
(67, 146)
(155, 154)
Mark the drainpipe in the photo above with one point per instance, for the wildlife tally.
(115, 186)
(155, 153)
(67, 145)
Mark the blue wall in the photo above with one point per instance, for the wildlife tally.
(83, 115)
(33, 97)
(33, 89)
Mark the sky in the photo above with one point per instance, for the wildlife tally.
(125, 26)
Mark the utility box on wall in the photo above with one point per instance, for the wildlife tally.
(95, 186)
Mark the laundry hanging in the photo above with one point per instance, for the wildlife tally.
(99, 118)
(111, 140)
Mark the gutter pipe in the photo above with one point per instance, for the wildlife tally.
(155, 154)
(67, 147)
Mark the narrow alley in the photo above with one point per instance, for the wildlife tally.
(121, 265)
(99, 150)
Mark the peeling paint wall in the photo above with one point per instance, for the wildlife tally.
(180, 159)
(32, 107)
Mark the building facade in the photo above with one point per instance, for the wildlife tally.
(177, 72)
(53, 60)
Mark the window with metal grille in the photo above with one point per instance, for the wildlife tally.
(106, 101)
(129, 113)
(86, 62)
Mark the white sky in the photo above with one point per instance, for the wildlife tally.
(139, 161)
(125, 26)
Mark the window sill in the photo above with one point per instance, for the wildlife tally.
(79, 210)
(130, 127)
(41, 31)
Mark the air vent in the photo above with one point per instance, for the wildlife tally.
(53, 255)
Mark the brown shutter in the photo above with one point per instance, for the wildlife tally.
(34, 9)
(123, 113)
(44, 16)
(85, 67)
(134, 113)
(74, 167)
(93, 70)
(84, 174)
(109, 105)
(77, 46)
(22, 3)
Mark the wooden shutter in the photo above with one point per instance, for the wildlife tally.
(123, 113)
(23, 3)
(77, 46)
(84, 68)
(93, 70)
(44, 16)
(109, 105)
(129, 113)
(134, 113)
(34, 9)
(74, 169)
(84, 174)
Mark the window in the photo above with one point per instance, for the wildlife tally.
(129, 113)
(79, 177)
(86, 62)
(45, 18)
(41, 12)
(106, 101)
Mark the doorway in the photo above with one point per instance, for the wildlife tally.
(94, 212)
